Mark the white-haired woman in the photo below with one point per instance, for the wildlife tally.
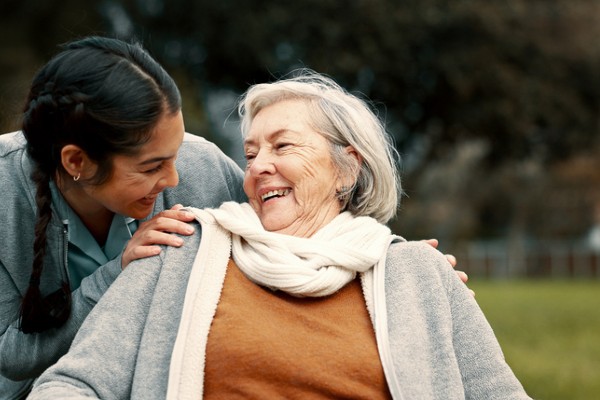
(301, 293)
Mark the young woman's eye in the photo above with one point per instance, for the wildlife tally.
(154, 170)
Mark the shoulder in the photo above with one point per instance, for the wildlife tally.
(414, 252)
(10, 142)
(169, 255)
(204, 161)
(207, 176)
(202, 151)
(145, 278)
(13, 156)
(15, 171)
(416, 261)
(179, 260)
(189, 139)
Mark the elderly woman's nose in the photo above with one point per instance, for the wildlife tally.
(262, 163)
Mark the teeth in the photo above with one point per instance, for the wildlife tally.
(272, 193)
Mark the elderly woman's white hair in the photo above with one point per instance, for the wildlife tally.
(345, 120)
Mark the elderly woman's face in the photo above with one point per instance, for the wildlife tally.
(290, 178)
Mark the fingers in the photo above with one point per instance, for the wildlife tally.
(177, 214)
(432, 242)
(162, 229)
(150, 237)
(137, 252)
(451, 259)
(463, 277)
(175, 222)
(146, 244)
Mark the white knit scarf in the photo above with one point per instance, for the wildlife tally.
(315, 266)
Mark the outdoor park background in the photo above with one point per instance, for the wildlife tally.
(493, 105)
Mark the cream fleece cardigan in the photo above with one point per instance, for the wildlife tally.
(435, 344)
(188, 358)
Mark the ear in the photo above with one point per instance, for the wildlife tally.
(351, 151)
(350, 179)
(76, 162)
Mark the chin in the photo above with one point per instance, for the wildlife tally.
(140, 214)
(272, 227)
(276, 221)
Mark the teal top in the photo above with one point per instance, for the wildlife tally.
(84, 254)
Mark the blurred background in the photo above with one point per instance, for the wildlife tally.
(494, 107)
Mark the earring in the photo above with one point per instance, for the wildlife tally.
(76, 178)
(343, 193)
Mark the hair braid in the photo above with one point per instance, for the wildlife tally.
(39, 313)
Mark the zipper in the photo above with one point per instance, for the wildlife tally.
(66, 250)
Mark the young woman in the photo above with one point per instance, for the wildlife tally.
(91, 182)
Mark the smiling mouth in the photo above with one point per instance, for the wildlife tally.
(150, 197)
(275, 193)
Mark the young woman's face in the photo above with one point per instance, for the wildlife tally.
(290, 177)
(137, 180)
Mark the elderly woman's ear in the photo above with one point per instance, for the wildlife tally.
(349, 180)
(348, 172)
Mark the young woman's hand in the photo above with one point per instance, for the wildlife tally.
(452, 260)
(156, 231)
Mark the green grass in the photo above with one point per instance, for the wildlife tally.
(549, 332)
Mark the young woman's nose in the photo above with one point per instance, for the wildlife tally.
(171, 176)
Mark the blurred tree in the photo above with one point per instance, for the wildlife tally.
(520, 78)
(445, 70)
(30, 32)
(488, 101)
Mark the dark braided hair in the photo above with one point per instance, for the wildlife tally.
(105, 96)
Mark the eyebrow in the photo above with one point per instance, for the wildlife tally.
(155, 159)
(270, 136)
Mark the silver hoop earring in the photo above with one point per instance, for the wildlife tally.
(76, 178)
(343, 193)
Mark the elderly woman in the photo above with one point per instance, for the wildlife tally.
(302, 293)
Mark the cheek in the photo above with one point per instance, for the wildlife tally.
(314, 191)
(134, 187)
(248, 185)
(313, 172)
(301, 170)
